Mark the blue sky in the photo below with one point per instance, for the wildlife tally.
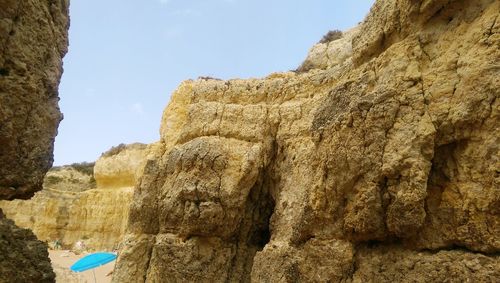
(127, 56)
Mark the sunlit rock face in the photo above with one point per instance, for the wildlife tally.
(100, 215)
(33, 40)
(83, 202)
(379, 165)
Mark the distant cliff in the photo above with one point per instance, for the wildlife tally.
(376, 161)
(83, 201)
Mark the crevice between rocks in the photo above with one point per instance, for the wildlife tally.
(255, 231)
(149, 256)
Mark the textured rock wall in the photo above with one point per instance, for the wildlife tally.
(101, 214)
(47, 213)
(33, 40)
(378, 165)
(74, 206)
(23, 258)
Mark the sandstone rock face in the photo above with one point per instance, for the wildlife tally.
(378, 166)
(74, 206)
(77, 177)
(330, 54)
(33, 39)
(121, 166)
(23, 258)
(101, 214)
(394, 264)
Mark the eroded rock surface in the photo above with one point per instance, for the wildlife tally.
(33, 40)
(83, 202)
(395, 264)
(360, 169)
(23, 258)
(333, 53)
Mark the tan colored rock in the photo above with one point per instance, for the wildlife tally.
(83, 202)
(33, 40)
(394, 264)
(336, 53)
(316, 261)
(119, 167)
(77, 177)
(99, 217)
(328, 175)
(48, 212)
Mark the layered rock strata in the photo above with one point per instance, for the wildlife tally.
(33, 40)
(380, 165)
(83, 202)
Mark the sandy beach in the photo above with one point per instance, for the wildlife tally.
(63, 259)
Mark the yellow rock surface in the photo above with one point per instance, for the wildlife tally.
(73, 206)
(381, 164)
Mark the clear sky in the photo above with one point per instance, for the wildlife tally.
(127, 56)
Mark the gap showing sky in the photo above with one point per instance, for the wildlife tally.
(127, 56)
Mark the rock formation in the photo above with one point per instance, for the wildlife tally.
(23, 258)
(33, 40)
(378, 161)
(83, 202)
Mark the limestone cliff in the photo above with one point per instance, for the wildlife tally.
(377, 162)
(47, 213)
(83, 201)
(33, 40)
